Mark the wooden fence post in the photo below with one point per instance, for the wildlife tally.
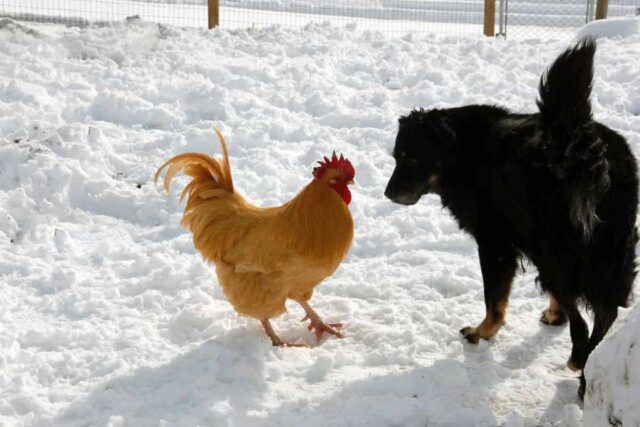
(601, 9)
(490, 18)
(214, 13)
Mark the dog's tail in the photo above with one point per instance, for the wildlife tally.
(576, 152)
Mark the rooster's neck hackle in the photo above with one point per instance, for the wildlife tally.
(323, 217)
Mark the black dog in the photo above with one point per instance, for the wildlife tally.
(556, 187)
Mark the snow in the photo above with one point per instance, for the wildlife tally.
(614, 27)
(613, 375)
(109, 315)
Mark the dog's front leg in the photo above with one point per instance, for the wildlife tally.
(498, 264)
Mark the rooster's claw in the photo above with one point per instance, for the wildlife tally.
(329, 328)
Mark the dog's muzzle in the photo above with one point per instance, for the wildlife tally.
(401, 199)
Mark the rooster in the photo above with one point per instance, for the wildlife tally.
(264, 256)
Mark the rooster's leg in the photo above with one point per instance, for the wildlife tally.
(318, 324)
(275, 339)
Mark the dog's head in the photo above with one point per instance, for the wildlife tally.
(424, 146)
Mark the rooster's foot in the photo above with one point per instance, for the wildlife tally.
(319, 326)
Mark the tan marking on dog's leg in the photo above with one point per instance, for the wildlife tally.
(554, 315)
(490, 325)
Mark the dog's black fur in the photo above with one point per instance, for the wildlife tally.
(555, 186)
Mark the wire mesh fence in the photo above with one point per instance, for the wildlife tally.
(396, 16)
(515, 18)
(624, 8)
(544, 18)
(553, 19)
(184, 13)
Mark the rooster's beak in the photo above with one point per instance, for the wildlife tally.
(351, 182)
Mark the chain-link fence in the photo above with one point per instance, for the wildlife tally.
(514, 18)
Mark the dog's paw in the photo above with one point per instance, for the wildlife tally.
(471, 334)
(574, 365)
(553, 317)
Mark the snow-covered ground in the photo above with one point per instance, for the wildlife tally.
(110, 317)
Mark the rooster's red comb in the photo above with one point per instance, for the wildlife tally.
(335, 163)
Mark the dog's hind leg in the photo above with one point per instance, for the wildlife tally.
(579, 335)
(563, 301)
(498, 265)
(610, 285)
(554, 315)
(603, 319)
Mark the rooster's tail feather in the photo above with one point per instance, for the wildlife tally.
(210, 177)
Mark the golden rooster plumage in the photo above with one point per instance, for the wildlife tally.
(264, 256)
